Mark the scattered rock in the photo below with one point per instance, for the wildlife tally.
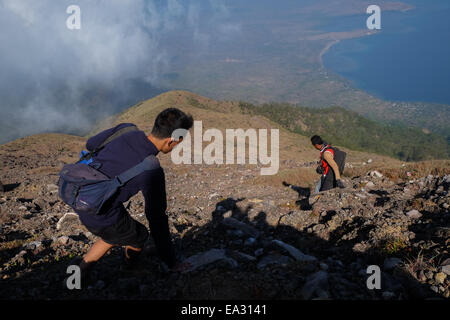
(63, 240)
(414, 214)
(259, 252)
(316, 283)
(33, 245)
(370, 184)
(236, 224)
(446, 269)
(323, 266)
(250, 242)
(271, 259)
(375, 174)
(391, 263)
(67, 220)
(241, 256)
(52, 188)
(297, 254)
(339, 221)
(99, 285)
(235, 233)
(209, 257)
(387, 295)
(318, 227)
(440, 277)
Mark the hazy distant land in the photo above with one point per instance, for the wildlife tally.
(278, 57)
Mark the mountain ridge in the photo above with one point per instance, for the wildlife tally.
(403, 143)
(233, 223)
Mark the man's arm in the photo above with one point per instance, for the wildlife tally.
(155, 209)
(329, 159)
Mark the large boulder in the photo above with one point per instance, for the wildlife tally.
(297, 254)
(208, 257)
(316, 284)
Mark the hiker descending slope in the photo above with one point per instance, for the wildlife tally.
(124, 159)
(331, 167)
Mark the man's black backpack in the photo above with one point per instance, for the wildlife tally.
(339, 158)
(86, 189)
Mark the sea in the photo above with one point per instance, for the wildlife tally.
(408, 60)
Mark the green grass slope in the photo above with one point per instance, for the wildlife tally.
(349, 129)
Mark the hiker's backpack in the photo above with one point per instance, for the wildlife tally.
(86, 189)
(339, 158)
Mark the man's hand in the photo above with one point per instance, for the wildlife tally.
(319, 169)
(181, 267)
(340, 184)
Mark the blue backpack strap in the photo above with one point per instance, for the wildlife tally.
(149, 163)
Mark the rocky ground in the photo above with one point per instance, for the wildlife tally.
(245, 240)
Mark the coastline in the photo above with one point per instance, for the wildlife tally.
(337, 37)
(324, 50)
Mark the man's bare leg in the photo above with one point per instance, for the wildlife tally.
(94, 254)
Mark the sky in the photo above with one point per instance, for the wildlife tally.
(53, 78)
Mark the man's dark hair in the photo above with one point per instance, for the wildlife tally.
(170, 120)
(316, 140)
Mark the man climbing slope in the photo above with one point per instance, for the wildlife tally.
(329, 169)
(114, 225)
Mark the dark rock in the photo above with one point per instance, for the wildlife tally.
(316, 284)
(273, 259)
(259, 252)
(209, 257)
(294, 252)
(446, 269)
(236, 224)
(391, 263)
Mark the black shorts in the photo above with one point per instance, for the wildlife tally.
(125, 232)
(329, 182)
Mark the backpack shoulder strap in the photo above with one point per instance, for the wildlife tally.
(115, 135)
(149, 163)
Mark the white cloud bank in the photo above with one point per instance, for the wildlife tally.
(50, 73)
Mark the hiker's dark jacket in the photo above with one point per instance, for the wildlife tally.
(119, 155)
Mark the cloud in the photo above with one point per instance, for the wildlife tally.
(55, 79)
